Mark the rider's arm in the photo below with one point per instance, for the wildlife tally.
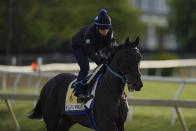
(90, 51)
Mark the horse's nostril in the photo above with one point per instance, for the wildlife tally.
(138, 86)
(138, 89)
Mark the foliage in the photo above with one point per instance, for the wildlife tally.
(182, 21)
(3, 29)
(163, 56)
(49, 25)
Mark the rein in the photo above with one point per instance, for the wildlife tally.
(116, 74)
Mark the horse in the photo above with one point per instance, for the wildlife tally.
(110, 103)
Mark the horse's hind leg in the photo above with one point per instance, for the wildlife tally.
(56, 122)
(64, 124)
(51, 119)
(50, 126)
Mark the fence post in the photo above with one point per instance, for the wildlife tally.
(12, 115)
(38, 83)
(173, 119)
(18, 77)
(4, 81)
(39, 63)
(180, 116)
(14, 60)
(130, 112)
(29, 81)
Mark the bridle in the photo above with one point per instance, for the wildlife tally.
(122, 77)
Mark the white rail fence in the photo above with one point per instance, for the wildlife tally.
(137, 102)
(47, 70)
(181, 81)
(50, 70)
(146, 64)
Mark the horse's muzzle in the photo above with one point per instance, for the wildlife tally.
(135, 85)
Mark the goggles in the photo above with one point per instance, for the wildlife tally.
(103, 27)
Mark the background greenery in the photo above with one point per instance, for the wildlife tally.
(49, 25)
(182, 22)
(145, 118)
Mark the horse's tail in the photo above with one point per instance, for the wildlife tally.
(37, 112)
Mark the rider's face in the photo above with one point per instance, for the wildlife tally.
(103, 32)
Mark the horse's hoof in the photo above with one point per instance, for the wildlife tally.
(30, 116)
(33, 116)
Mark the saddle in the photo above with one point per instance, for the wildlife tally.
(71, 103)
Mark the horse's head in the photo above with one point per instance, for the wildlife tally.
(127, 57)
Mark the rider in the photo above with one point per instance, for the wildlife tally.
(88, 43)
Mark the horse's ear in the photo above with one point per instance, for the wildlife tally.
(127, 41)
(135, 43)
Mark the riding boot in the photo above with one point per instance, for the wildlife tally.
(82, 98)
(81, 92)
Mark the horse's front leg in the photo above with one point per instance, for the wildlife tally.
(105, 123)
(64, 124)
(121, 127)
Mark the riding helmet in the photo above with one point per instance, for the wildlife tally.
(102, 19)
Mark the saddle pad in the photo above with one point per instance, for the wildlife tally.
(71, 103)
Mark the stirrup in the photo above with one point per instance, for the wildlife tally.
(83, 98)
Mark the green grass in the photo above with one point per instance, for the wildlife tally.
(145, 118)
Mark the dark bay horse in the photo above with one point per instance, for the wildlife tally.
(110, 106)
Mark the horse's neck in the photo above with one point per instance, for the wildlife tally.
(113, 83)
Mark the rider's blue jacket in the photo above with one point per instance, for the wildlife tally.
(91, 42)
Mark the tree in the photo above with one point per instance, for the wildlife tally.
(182, 22)
(49, 24)
(3, 28)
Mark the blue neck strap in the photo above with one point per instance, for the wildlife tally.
(114, 73)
